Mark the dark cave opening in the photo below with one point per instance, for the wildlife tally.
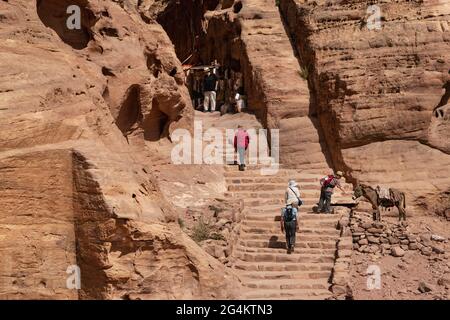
(155, 123)
(189, 17)
(130, 113)
(199, 44)
(438, 111)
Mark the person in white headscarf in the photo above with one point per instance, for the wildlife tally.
(292, 194)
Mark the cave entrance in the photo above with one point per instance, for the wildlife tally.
(439, 110)
(156, 123)
(202, 43)
(230, 95)
(130, 112)
(183, 22)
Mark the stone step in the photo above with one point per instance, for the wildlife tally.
(303, 224)
(281, 250)
(286, 284)
(282, 173)
(277, 196)
(276, 210)
(253, 167)
(295, 294)
(282, 257)
(280, 243)
(305, 235)
(273, 215)
(301, 181)
(245, 275)
(286, 266)
(272, 194)
(248, 202)
(281, 187)
(276, 231)
(307, 203)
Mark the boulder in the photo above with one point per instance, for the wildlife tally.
(362, 248)
(393, 240)
(366, 225)
(444, 281)
(372, 239)
(378, 225)
(397, 251)
(222, 222)
(384, 240)
(425, 287)
(363, 242)
(358, 230)
(438, 238)
(225, 233)
(426, 251)
(438, 249)
(341, 210)
(425, 239)
(343, 222)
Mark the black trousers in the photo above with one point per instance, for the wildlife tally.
(325, 201)
(290, 228)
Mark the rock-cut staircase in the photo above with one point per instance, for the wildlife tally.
(259, 256)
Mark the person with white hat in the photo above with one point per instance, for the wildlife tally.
(292, 193)
(328, 183)
(209, 90)
(289, 224)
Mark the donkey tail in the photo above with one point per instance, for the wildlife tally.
(404, 201)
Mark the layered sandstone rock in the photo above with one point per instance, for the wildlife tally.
(381, 94)
(80, 111)
(86, 118)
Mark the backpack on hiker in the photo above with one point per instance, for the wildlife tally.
(327, 183)
(289, 214)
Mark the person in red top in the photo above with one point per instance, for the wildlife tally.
(241, 142)
(328, 183)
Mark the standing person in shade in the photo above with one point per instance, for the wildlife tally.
(241, 142)
(292, 193)
(209, 90)
(289, 224)
(328, 183)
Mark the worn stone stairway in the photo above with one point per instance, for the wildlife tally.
(260, 257)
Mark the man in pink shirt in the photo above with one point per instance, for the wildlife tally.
(241, 141)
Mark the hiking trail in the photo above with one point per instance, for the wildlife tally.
(259, 257)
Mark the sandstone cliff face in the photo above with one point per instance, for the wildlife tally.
(381, 95)
(77, 109)
(371, 102)
(85, 116)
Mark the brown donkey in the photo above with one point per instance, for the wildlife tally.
(398, 199)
